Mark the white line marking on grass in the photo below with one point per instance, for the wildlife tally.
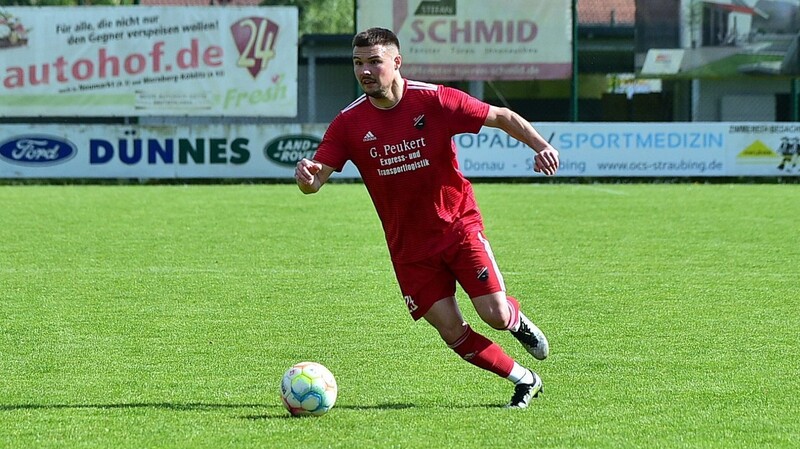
(46, 270)
(175, 270)
(602, 189)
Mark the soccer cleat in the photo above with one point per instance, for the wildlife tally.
(532, 338)
(523, 393)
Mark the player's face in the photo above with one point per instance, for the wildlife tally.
(375, 68)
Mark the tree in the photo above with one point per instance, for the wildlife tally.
(321, 16)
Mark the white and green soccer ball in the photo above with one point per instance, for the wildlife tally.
(308, 388)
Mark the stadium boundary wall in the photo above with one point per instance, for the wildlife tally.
(271, 151)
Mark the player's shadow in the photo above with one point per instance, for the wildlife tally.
(281, 414)
(275, 411)
(188, 406)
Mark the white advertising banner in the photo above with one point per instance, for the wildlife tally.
(142, 61)
(271, 151)
(642, 150)
(98, 151)
(477, 40)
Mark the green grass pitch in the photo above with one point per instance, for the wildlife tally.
(164, 317)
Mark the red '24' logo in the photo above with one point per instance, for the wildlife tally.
(255, 39)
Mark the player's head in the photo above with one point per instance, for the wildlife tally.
(376, 60)
(376, 36)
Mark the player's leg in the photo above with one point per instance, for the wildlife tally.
(487, 292)
(445, 316)
(429, 288)
(503, 312)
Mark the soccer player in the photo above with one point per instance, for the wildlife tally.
(399, 135)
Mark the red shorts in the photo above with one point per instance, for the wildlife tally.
(469, 262)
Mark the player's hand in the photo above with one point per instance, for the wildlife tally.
(546, 161)
(305, 171)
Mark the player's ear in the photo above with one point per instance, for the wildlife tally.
(398, 61)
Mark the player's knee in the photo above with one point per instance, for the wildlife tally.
(498, 319)
(493, 310)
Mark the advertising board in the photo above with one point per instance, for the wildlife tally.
(474, 40)
(271, 151)
(143, 61)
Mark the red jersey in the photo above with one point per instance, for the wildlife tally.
(407, 160)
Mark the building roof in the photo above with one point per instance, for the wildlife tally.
(607, 12)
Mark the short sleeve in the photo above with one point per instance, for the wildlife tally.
(332, 151)
(467, 113)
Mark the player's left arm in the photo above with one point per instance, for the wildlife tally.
(546, 159)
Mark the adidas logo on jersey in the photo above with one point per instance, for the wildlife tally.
(369, 137)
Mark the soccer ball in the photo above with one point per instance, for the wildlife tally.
(308, 388)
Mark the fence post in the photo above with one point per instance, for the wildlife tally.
(574, 90)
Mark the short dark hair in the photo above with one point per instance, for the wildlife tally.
(376, 36)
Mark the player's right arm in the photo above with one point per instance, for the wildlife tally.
(310, 175)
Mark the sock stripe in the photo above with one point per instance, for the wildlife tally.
(513, 307)
(462, 338)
